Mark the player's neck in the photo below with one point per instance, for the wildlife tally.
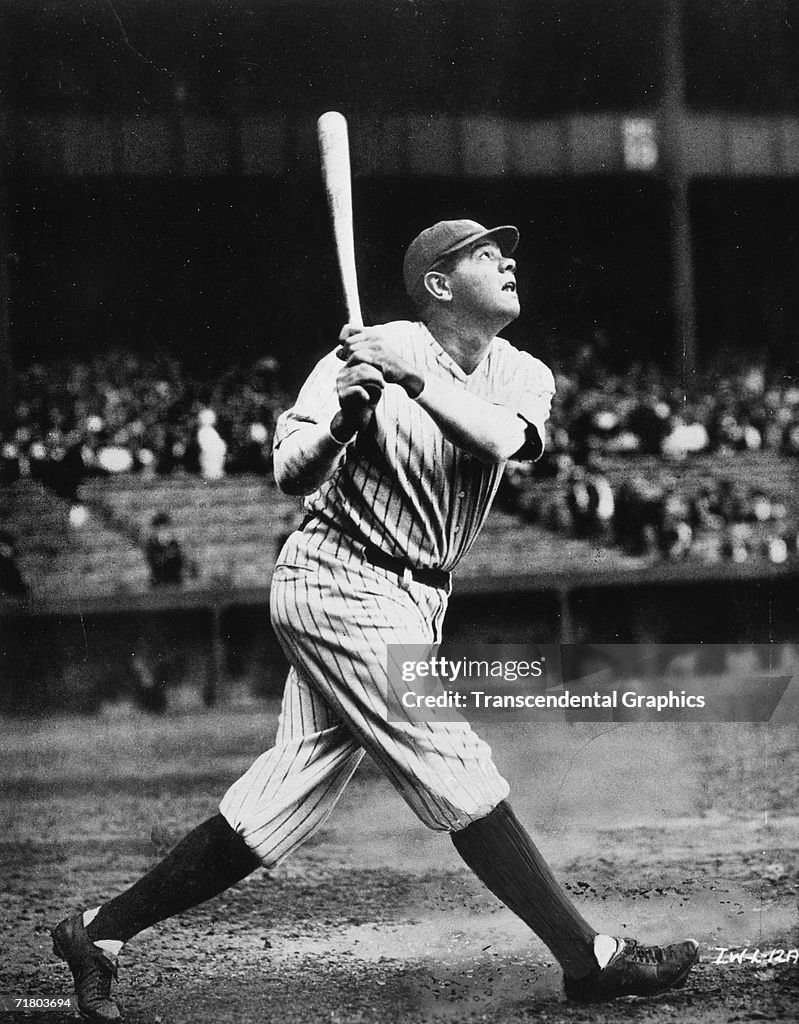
(465, 342)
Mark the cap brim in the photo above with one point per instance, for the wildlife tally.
(506, 237)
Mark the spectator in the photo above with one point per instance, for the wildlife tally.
(736, 545)
(776, 549)
(732, 502)
(761, 507)
(687, 436)
(638, 516)
(590, 501)
(67, 471)
(254, 452)
(675, 534)
(164, 553)
(702, 509)
(211, 448)
(649, 423)
(10, 468)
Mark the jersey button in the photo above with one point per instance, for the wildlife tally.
(461, 494)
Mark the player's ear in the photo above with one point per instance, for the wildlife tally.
(437, 284)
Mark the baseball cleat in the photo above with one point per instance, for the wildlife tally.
(92, 969)
(635, 970)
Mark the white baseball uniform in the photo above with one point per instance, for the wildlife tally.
(400, 489)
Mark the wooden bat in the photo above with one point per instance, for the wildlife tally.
(334, 152)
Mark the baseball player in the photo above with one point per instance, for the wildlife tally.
(398, 440)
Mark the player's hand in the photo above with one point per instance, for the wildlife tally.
(359, 388)
(369, 346)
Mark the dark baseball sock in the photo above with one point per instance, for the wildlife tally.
(503, 856)
(207, 861)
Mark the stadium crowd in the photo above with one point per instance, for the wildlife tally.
(124, 413)
(647, 504)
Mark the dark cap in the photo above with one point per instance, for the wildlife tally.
(447, 237)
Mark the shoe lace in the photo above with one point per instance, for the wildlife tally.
(645, 954)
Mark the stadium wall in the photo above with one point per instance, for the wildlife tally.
(205, 646)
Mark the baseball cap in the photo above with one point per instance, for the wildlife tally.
(447, 237)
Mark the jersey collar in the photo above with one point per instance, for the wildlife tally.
(446, 360)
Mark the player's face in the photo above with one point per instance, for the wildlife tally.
(483, 281)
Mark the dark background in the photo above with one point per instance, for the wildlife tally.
(219, 267)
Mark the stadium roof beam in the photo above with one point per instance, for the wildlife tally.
(681, 249)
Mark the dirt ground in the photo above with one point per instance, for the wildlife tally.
(659, 831)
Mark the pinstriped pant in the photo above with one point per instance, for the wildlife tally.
(334, 615)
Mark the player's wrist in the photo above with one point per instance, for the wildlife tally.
(341, 430)
(414, 385)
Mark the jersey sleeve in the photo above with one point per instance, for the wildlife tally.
(531, 391)
(538, 390)
(317, 401)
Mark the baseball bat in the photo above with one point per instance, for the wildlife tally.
(334, 151)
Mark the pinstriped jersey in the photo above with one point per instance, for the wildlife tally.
(401, 485)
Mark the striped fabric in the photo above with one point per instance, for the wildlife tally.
(335, 615)
(402, 486)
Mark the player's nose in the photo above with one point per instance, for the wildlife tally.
(507, 265)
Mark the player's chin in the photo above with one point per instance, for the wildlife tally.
(511, 306)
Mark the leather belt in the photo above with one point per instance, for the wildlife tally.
(429, 577)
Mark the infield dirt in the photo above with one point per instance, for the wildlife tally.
(658, 831)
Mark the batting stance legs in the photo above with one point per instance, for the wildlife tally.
(335, 614)
(335, 707)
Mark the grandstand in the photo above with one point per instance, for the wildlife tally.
(160, 195)
(59, 560)
(94, 550)
(232, 530)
